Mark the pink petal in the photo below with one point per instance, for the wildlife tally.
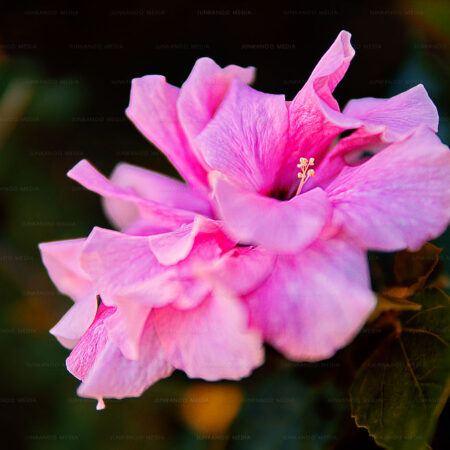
(211, 341)
(314, 302)
(241, 270)
(314, 116)
(112, 375)
(140, 227)
(126, 325)
(126, 275)
(331, 68)
(189, 252)
(203, 92)
(172, 247)
(399, 198)
(152, 211)
(83, 356)
(76, 321)
(281, 226)
(246, 139)
(153, 111)
(384, 121)
(338, 157)
(396, 117)
(124, 267)
(151, 186)
(62, 260)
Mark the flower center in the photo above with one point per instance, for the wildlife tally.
(305, 172)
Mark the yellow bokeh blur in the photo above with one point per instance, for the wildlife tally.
(210, 408)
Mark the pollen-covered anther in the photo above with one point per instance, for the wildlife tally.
(303, 162)
(305, 172)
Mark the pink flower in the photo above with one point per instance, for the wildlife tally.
(266, 242)
(160, 309)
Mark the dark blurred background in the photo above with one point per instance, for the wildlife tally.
(65, 72)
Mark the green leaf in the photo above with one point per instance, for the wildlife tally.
(400, 390)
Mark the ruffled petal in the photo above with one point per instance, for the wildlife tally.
(126, 325)
(83, 356)
(153, 111)
(140, 227)
(280, 226)
(383, 121)
(399, 198)
(124, 267)
(253, 264)
(126, 275)
(314, 115)
(315, 302)
(246, 139)
(62, 260)
(151, 186)
(152, 211)
(211, 341)
(172, 247)
(395, 117)
(153, 270)
(203, 92)
(107, 373)
(76, 321)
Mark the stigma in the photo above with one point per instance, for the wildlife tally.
(305, 172)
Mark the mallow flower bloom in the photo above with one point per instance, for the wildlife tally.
(266, 241)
